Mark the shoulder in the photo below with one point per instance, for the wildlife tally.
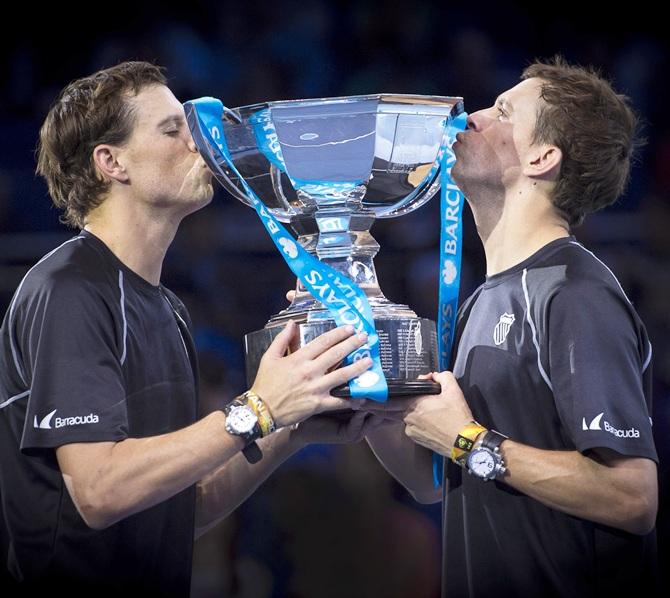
(574, 272)
(590, 302)
(572, 293)
(71, 272)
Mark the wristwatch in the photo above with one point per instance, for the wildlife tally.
(242, 421)
(485, 461)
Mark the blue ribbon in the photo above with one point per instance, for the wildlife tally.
(343, 298)
(451, 208)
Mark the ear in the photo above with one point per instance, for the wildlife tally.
(543, 162)
(106, 159)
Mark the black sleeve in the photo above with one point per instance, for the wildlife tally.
(68, 334)
(597, 356)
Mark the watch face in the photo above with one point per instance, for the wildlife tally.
(242, 419)
(481, 463)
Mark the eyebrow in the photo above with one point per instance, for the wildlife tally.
(172, 119)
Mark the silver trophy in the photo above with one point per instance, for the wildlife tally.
(329, 167)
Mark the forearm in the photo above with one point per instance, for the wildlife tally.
(409, 463)
(573, 483)
(137, 473)
(223, 490)
(603, 486)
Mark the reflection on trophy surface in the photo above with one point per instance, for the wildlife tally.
(329, 167)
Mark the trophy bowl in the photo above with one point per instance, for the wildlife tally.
(328, 167)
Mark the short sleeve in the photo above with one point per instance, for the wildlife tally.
(598, 353)
(68, 332)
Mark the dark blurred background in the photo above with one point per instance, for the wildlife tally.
(331, 522)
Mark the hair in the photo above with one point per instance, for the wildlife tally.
(87, 113)
(594, 127)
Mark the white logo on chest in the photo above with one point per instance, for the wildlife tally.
(501, 330)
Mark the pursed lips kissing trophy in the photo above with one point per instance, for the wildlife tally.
(329, 167)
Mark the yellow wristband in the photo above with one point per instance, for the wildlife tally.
(261, 410)
(465, 441)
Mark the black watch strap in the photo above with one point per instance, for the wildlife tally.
(492, 440)
(252, 452)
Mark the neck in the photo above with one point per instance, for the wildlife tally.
(139, 239)
(516, 231)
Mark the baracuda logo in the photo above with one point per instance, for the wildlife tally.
(595, 425)
(61, 422)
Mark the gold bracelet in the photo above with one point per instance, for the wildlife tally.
(265, 419)
(465, 441)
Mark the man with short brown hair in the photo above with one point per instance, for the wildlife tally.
(550, 479)
(106, 471)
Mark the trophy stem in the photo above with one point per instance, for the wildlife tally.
(343, 241)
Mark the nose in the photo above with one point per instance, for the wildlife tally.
(474, 121)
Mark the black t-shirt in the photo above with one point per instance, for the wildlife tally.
(552, 354)
(90, 352)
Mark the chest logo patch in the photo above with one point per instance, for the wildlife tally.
(502, 328)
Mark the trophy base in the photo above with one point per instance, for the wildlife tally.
(408, 349)
(397, 388)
